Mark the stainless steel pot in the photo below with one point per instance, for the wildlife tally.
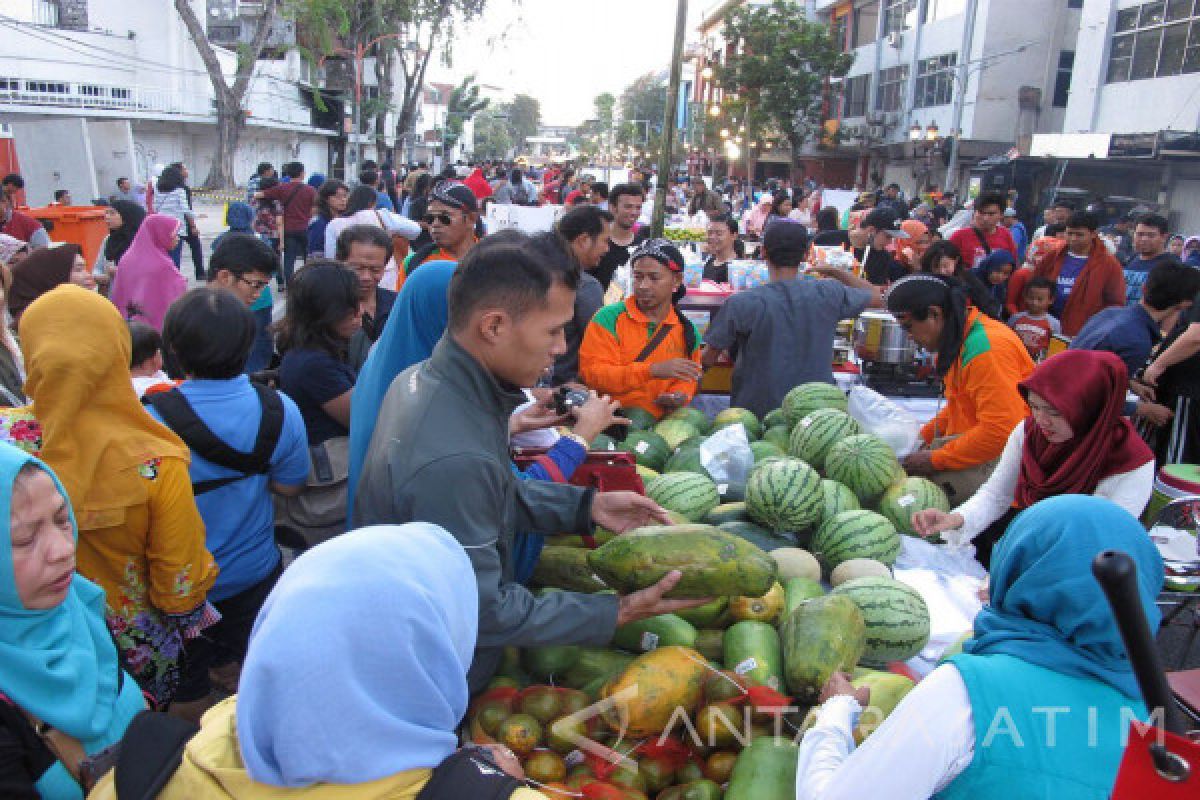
(878, 337)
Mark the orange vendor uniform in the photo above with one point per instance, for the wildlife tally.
(614, 338)
(983, 404)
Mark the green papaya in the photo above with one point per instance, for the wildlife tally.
(713, 562)
(595, 663)
(707, 615)
(566, 568)
(551, 661)
(648, 634)
(764, 770)
(752, 650)
(797, 590)
(696, 790)
(726, 512)
(820, 637)
(710, 643)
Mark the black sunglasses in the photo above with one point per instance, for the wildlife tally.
(443, 218)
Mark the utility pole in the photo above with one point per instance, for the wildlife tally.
(666, 157)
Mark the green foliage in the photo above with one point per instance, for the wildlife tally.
(493, 139)
(463, 104)
(779, 73)
(524, 117)
(642, 104)
(605, 106)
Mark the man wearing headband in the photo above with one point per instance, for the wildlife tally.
(981, 361)
(450, 219)
(643, 351)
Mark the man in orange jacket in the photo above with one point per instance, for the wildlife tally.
(643, 351)
(981, 361)
(1088, 277)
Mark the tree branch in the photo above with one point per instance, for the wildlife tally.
(199, 36)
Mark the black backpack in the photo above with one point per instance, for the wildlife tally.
(469, 773)
(180, 417)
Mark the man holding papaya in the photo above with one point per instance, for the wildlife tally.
(440, 452)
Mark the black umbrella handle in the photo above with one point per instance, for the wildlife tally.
(1117, 575)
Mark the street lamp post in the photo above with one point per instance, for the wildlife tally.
(664, 160)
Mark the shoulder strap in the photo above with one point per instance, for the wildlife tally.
(655, 341)
(180, 417)
(987, 248)
(547, 463)
(151, 751)
(469, 773)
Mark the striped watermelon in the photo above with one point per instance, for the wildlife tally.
(685, 493)
(837, 498)
(775, 417)
(642, 419)
(784, 494)
(648, 448)
(895, 614)
(675, 432)
(692, 416)
(909, 496)
(763, 450)
(808, 397)
(864, 463)
(732, 416)
(778, 435)
(856, 534)
(817, 432)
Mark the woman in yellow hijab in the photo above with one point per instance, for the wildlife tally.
(140, 535)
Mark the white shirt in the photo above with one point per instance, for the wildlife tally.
(1130, 490)
(919, 749)
(379, 217)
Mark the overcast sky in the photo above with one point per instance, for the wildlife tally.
(565, 52)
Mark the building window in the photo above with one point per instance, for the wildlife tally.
(935, 80)
(839, 29)
(1155, 40)
(898, 15)
(1062, 80)
(891, 88)
(1074, 3)
(47, 87)
(854, 96)
(10, 85)
(866, 20)
(943, 9)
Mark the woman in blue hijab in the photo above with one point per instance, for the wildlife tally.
(351, 688)
(58, 664)
(417, 322)
(1038, 703)
(993, 272)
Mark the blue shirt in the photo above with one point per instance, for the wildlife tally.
(312, 378)
(1136, 271)
(239, 518)
(1129, 332)
(384, 201)
(1072, 266)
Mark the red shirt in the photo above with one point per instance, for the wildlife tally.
(968, 243)
(21, 226)
(297, 199)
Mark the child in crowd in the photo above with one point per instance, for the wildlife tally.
(1034, 324)
(147, 361)
(268, 217)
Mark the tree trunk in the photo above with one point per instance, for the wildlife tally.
(383, 78)
(231, 121)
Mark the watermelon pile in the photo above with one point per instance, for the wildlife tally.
(896, 618)
(814, 435)
(685, 493)
(784, 494)
(865, 463)
(909, 496)
(808, 397)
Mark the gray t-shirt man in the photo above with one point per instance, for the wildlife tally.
(781, 335)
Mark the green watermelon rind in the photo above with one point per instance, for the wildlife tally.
(641, 419)
(771, 484)
(865, 463)
(818, 432)
(692, 416)
(925, 494)
(856, 534)
(686, 493)
(654, 455)
(802, 400)
(679, 431)
(896, 617)
(836, 498)
(732, 416)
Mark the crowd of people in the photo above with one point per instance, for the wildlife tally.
(161, 443)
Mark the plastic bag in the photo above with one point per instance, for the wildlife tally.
(878, 415)
(727, 455)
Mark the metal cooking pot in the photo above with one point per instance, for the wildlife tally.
(878, 337)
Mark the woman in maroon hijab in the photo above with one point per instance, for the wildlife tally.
(1074, 441)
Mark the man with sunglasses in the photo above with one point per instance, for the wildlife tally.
(450, 219)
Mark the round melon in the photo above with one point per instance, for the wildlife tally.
(675, 432)
(814, 435)
(856, 534)
(691, 441)
(808, 397)
(909, 496)
(642, 419)
(837, 498)
(686, 459)
(895, 614)
(794, 562)
(603, 442)
(775, 418)
(858, 568)
(685, 493)
(732, 416)
(692, 416)
(863, 462)
(648, 448)
(763, 450)
(784, 494)
(778, 435)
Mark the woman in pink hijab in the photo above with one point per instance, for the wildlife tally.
(147, 279)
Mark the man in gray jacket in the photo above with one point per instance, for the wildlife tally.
(440, 452)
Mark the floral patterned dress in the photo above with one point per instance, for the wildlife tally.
(150, 561)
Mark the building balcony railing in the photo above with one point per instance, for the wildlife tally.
(81, 95)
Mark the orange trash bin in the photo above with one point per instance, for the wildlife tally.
(80, 225)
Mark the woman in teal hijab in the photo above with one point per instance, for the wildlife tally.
(1038, 703)
(57, 660)
(415, 325)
